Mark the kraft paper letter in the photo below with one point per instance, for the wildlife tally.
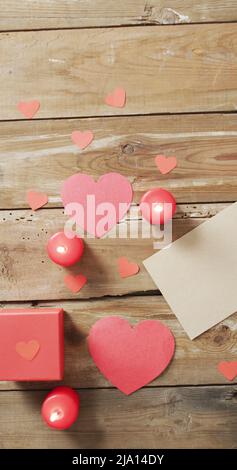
(197, 274)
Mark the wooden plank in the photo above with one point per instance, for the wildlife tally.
(165, 418)
(178, 70)
(40, 154)
(195, 362)
(40, 14)
(27, 272)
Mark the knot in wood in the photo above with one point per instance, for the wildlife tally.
(128, 149)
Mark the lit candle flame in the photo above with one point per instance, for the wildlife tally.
(158, 207)
(55, 416)
(61, 249)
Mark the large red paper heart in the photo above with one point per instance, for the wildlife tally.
(126, 268)
(117, 98)
(36, 199)
(228, 369)
(28, 350)
(104, 202)
(130, 357)
(82, 139)
(28, 108)
(165, 164)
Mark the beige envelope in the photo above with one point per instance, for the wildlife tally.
(197, 274)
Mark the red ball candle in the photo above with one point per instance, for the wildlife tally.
(63, 250)
(154, 206)
(60, 408)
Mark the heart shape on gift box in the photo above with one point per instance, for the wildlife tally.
(126, 268)
(130, 357)
(36, 199)
(28, 108)
(228, 369)
(98, 206)
(165, 164)
(117, 98)
(75, 283)
(82, 139)
(28, 350)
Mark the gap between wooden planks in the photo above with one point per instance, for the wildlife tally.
(40, 155)
(195, 362)
(40, 14)
(178, 69)
(28, 274)
(192, 417)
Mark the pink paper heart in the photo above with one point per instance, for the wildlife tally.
(228, 369)
(28, 350)
(130, 357)
(36, 199)
(28, 108)
(165, 164)
(82, 139)
(75, 283)
(126, 268)
(104, 202)
(117, 98)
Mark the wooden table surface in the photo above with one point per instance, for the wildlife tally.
(177, 61)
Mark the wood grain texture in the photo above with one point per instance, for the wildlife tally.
(195, 362)
(165, 418)
(28, 274)
(178, 70)
(41, 155)
(188, 68)
(40, 14)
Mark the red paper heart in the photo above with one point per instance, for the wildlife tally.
(228, 369)
(117, 98)
(75, 283)
(130, 357)
(165, 164)
(82, 139)
(111, 189)
(28, 350)
(36, 199)
(126, 268)
(29, 108)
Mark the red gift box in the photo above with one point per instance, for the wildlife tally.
(31, 344)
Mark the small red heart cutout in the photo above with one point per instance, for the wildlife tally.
(75, 283)
(117, 98)
(82, 139)
(28, 108)
(228, 369)
(165, 164)
(130, 357)
(36, 199)
(126, 268)
(28, 350)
